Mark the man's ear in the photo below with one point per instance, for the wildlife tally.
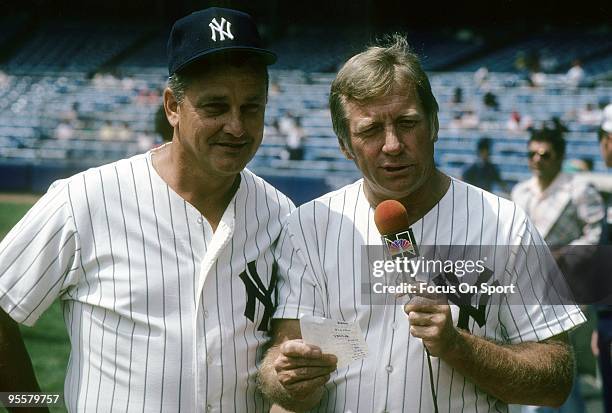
(171, 107)
(345, 150)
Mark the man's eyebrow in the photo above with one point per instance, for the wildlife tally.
(364, 124)
(212, 99)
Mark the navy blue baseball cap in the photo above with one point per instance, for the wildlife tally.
(213, 30)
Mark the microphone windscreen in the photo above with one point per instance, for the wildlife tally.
(391, 217)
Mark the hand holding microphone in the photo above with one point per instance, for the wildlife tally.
(429, 314)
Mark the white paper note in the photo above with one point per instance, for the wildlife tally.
(340, 338)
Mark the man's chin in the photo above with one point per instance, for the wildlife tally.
(397, 190)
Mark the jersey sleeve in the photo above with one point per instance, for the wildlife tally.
(542, 305)
(299, 289)
(38, 257)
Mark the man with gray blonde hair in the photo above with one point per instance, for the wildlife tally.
(482, 357)
(373, 73)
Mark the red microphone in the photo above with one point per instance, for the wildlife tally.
(391, 219)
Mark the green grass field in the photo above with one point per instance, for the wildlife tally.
(47, 341)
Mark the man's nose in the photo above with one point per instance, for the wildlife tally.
(234, 124)
(393, 144)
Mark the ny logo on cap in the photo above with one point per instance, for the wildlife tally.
(216, 27)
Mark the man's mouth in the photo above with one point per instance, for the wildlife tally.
(395, 168)
(235, 145)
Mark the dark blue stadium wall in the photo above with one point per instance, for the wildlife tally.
(19, 177)
(299, 189)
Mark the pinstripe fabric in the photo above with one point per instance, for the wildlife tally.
(152, 299)
(319, 258)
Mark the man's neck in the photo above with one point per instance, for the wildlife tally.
(208, 194)
(545, 182)
(421, 201)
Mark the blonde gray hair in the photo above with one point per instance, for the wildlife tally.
(373, 73)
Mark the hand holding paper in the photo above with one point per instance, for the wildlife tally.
(341, 338)
(302, 368)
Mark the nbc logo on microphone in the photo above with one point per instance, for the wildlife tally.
(401, 246)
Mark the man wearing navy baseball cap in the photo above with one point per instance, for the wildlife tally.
(215, 101)
(163, 261)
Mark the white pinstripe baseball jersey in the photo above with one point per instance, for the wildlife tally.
(163, 315)
(319, 255)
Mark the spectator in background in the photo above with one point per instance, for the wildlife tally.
(124, 132)
(481, 76)
(517, 123)
(536, 78)
(291, 129)
(154, 96)
(146, 141)
(565, 212)
(470, 119)
(271, 129)
(72, 114)
(590, 115)
(455, 122)
(275, 88)
(64, 131)
(457, 98)
(464, 119)
(483, 173)
(107, 132)
(575, 75)
(127, 83)
(295, 146)
(514, 122)
(490, 101)
(286, 122)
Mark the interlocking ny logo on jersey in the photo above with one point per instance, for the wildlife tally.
(464, 300)
(256, 290)
(216, 27)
